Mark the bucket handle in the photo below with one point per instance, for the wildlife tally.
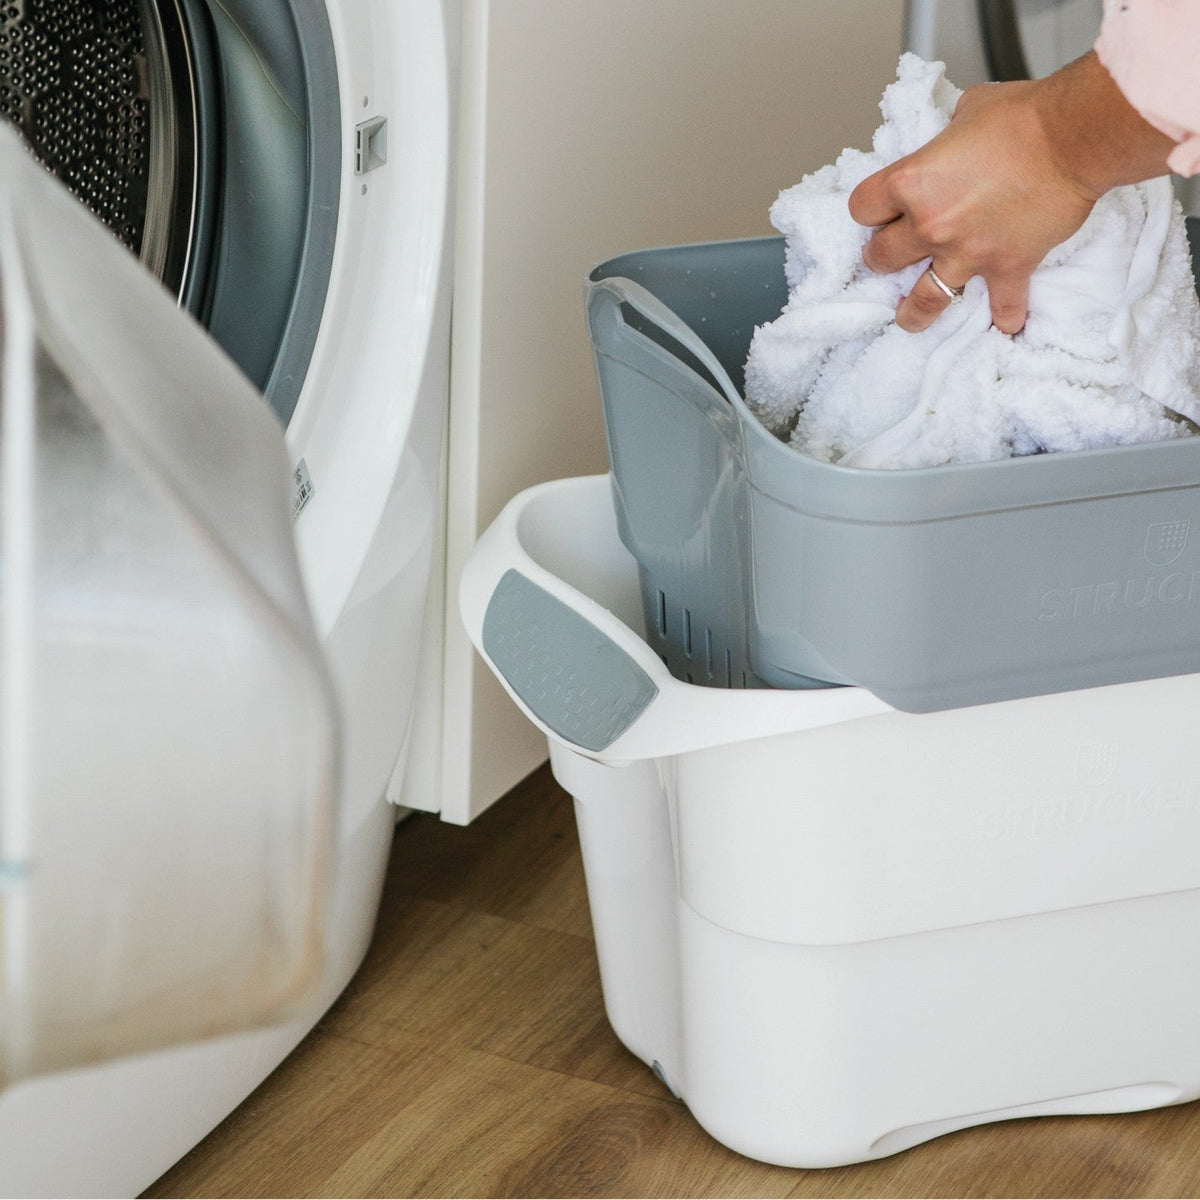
(590, 682)
(617, 304)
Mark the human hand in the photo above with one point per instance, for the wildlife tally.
(991, 195)
(1013, 175)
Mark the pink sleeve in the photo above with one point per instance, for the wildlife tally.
(1152, 49)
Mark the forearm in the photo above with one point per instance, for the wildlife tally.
(1098, 138)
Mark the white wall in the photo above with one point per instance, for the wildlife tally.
(593, 127)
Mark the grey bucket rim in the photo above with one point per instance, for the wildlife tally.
(797, 480)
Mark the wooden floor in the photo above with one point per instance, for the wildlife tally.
(471, 1057)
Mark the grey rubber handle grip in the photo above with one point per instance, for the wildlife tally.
(571, 676)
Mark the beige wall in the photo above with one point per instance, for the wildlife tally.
(592, 127)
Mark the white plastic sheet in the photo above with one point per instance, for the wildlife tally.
(167, 730)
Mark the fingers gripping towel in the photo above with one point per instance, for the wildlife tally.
(1110, 353)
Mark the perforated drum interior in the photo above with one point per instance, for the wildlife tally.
(103, 92)
(207, 135)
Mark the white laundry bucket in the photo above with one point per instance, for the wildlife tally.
(836, 929)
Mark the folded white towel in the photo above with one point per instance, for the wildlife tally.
(1110, 353)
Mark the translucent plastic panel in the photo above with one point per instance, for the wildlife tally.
(167, 730)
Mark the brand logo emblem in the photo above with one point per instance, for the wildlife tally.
(1166, 542)
(1096, 761)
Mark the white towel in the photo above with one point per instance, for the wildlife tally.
(1110, 353)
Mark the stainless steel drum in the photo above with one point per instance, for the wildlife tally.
(104, 94)
(207, 136)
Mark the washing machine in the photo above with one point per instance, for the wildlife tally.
(283, 168)
(980, 40)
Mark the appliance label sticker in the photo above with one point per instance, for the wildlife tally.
(304, 489)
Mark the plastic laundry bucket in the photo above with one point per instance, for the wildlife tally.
(935, 588)
(836, 929)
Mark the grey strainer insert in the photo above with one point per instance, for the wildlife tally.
(569, 674)
(934, 588)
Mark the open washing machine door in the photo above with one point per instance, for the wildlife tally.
(282, 167)
(167, 726)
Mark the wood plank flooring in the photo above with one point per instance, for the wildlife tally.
(471, 1057)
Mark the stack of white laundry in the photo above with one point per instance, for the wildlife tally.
(1110, 353)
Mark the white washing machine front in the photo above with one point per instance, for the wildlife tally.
(284, 167)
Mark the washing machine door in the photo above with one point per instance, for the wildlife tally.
(167, 727)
